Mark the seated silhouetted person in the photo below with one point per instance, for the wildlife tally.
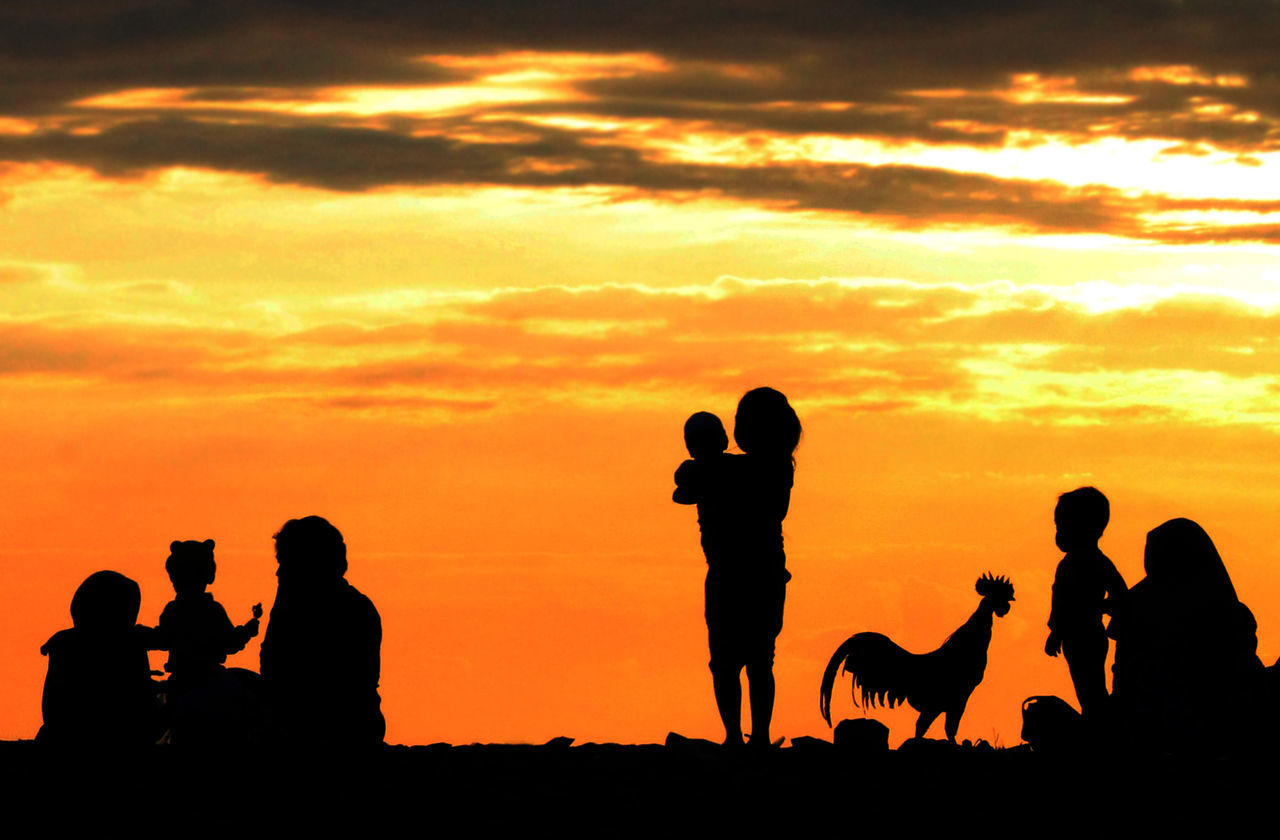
(1085, 585)
(205, 702)
(1187, 674)
(193, 627)
(321, 650)
(98, 690)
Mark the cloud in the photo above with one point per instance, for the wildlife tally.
(989, 351)
(340, 158)
(14, 274)
(260, 88)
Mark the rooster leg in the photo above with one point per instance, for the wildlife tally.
(926, 720)
(952, 723)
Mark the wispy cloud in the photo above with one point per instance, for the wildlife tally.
(994, 350)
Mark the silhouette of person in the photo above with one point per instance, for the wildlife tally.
(742, 501)
(320, 655)
(98, 690)
(1084, 582)
(205, 701)
(193, 627)
(1187, 675)
(706, 480)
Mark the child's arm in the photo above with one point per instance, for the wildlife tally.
(151, 638)
(1115, 589)
(1053, 644)
(687, 491)
(155, 638)
(238, 637)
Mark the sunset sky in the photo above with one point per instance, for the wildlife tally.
(453, 278)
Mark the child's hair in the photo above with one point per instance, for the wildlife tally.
(704, 434)
(766, 424)
(191, 560)
(106, 601)
(1086, 508)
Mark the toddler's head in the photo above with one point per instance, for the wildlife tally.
(704, 435)
(1081, 516)
(190, 566)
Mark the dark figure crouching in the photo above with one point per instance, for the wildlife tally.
(98, 691)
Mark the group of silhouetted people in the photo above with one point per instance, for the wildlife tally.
(1186, 674)
(320, 655)
(1186, 677)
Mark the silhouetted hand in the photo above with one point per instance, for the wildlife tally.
(1052, 645)
(251, 627)
(257, 610)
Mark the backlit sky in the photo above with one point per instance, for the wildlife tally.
(454, 277)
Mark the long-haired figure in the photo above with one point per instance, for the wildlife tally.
(742, 501)
(321, 653)
(1187, 673)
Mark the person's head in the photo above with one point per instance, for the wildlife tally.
(1179, 555)
(190, 565)
(766, 424)
(106, 602)
(310, 550)
(704, 435)
(1080, 516)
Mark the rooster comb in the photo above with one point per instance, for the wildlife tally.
(989, 585)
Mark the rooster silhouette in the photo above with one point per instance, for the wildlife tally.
(931, 683)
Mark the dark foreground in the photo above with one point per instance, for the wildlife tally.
(682, 787)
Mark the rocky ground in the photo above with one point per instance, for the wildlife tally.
(684, 785)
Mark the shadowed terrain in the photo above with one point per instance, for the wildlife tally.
(684, 786)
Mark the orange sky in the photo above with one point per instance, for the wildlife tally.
(459, 292)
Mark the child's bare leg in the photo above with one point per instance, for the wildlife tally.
(761, 690)
(1086, 656)
(728, 690)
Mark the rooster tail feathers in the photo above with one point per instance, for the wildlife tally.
(838, 659)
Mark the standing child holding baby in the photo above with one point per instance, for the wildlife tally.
(742, 500)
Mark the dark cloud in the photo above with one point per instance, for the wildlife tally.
(359, 159)
(849, 69)
(751, 53)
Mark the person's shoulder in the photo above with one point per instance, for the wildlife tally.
(1078, 561)
(59, 641)
(357, 601)
(215, 607)
(777, 469)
